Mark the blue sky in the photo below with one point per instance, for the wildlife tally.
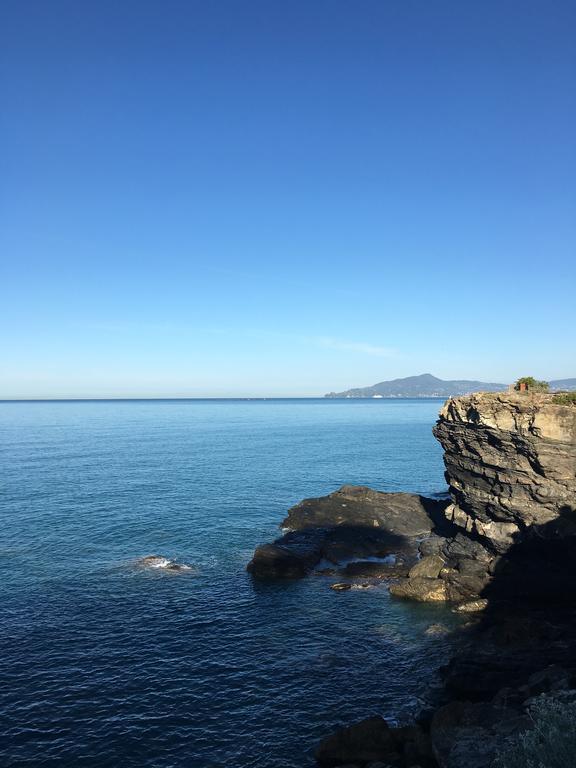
(283, 198)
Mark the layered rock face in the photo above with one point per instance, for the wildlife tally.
(511, 467)
(510, 464)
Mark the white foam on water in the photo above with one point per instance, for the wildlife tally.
(158, 561)
(386, 560)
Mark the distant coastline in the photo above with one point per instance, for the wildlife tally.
(427, 385)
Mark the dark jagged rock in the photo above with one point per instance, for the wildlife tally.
(353, 523)
(373, 742)
(292, 556)
(431, 545)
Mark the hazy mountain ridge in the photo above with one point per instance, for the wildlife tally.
(427, 385)
(563, 384)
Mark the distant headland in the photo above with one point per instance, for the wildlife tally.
(427, 385)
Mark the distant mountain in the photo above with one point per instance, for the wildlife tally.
(569, 384)
(425, 385)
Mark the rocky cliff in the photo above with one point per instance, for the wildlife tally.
(511, 469)
(510, 464)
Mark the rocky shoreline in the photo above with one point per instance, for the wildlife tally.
(502, 549)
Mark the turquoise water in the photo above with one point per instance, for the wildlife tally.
(106, 664)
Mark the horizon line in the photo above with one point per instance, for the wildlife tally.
(236, 397)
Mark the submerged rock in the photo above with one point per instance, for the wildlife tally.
(162, 563)
(435, 630)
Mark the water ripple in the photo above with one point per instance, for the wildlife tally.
(106, 664)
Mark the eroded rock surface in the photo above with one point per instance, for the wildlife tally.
(511, 468)
(510, 464)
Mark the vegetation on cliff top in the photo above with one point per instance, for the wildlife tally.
(530, 384)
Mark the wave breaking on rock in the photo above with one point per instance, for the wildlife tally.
(159, 562)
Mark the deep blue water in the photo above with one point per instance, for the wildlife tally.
(106, 664)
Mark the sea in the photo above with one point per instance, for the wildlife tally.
(108, 664)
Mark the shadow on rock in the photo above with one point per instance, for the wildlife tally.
(522, 645)
(529, 622)
(353, 523)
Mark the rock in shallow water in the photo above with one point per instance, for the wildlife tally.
(421, 589)
(428, 568)
(354, 522)
(472, 606)
(435, 630)
(290, 557)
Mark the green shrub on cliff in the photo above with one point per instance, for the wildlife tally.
(565, 398)
(551, 743)
(530, 384)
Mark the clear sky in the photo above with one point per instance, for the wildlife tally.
(284, 197)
